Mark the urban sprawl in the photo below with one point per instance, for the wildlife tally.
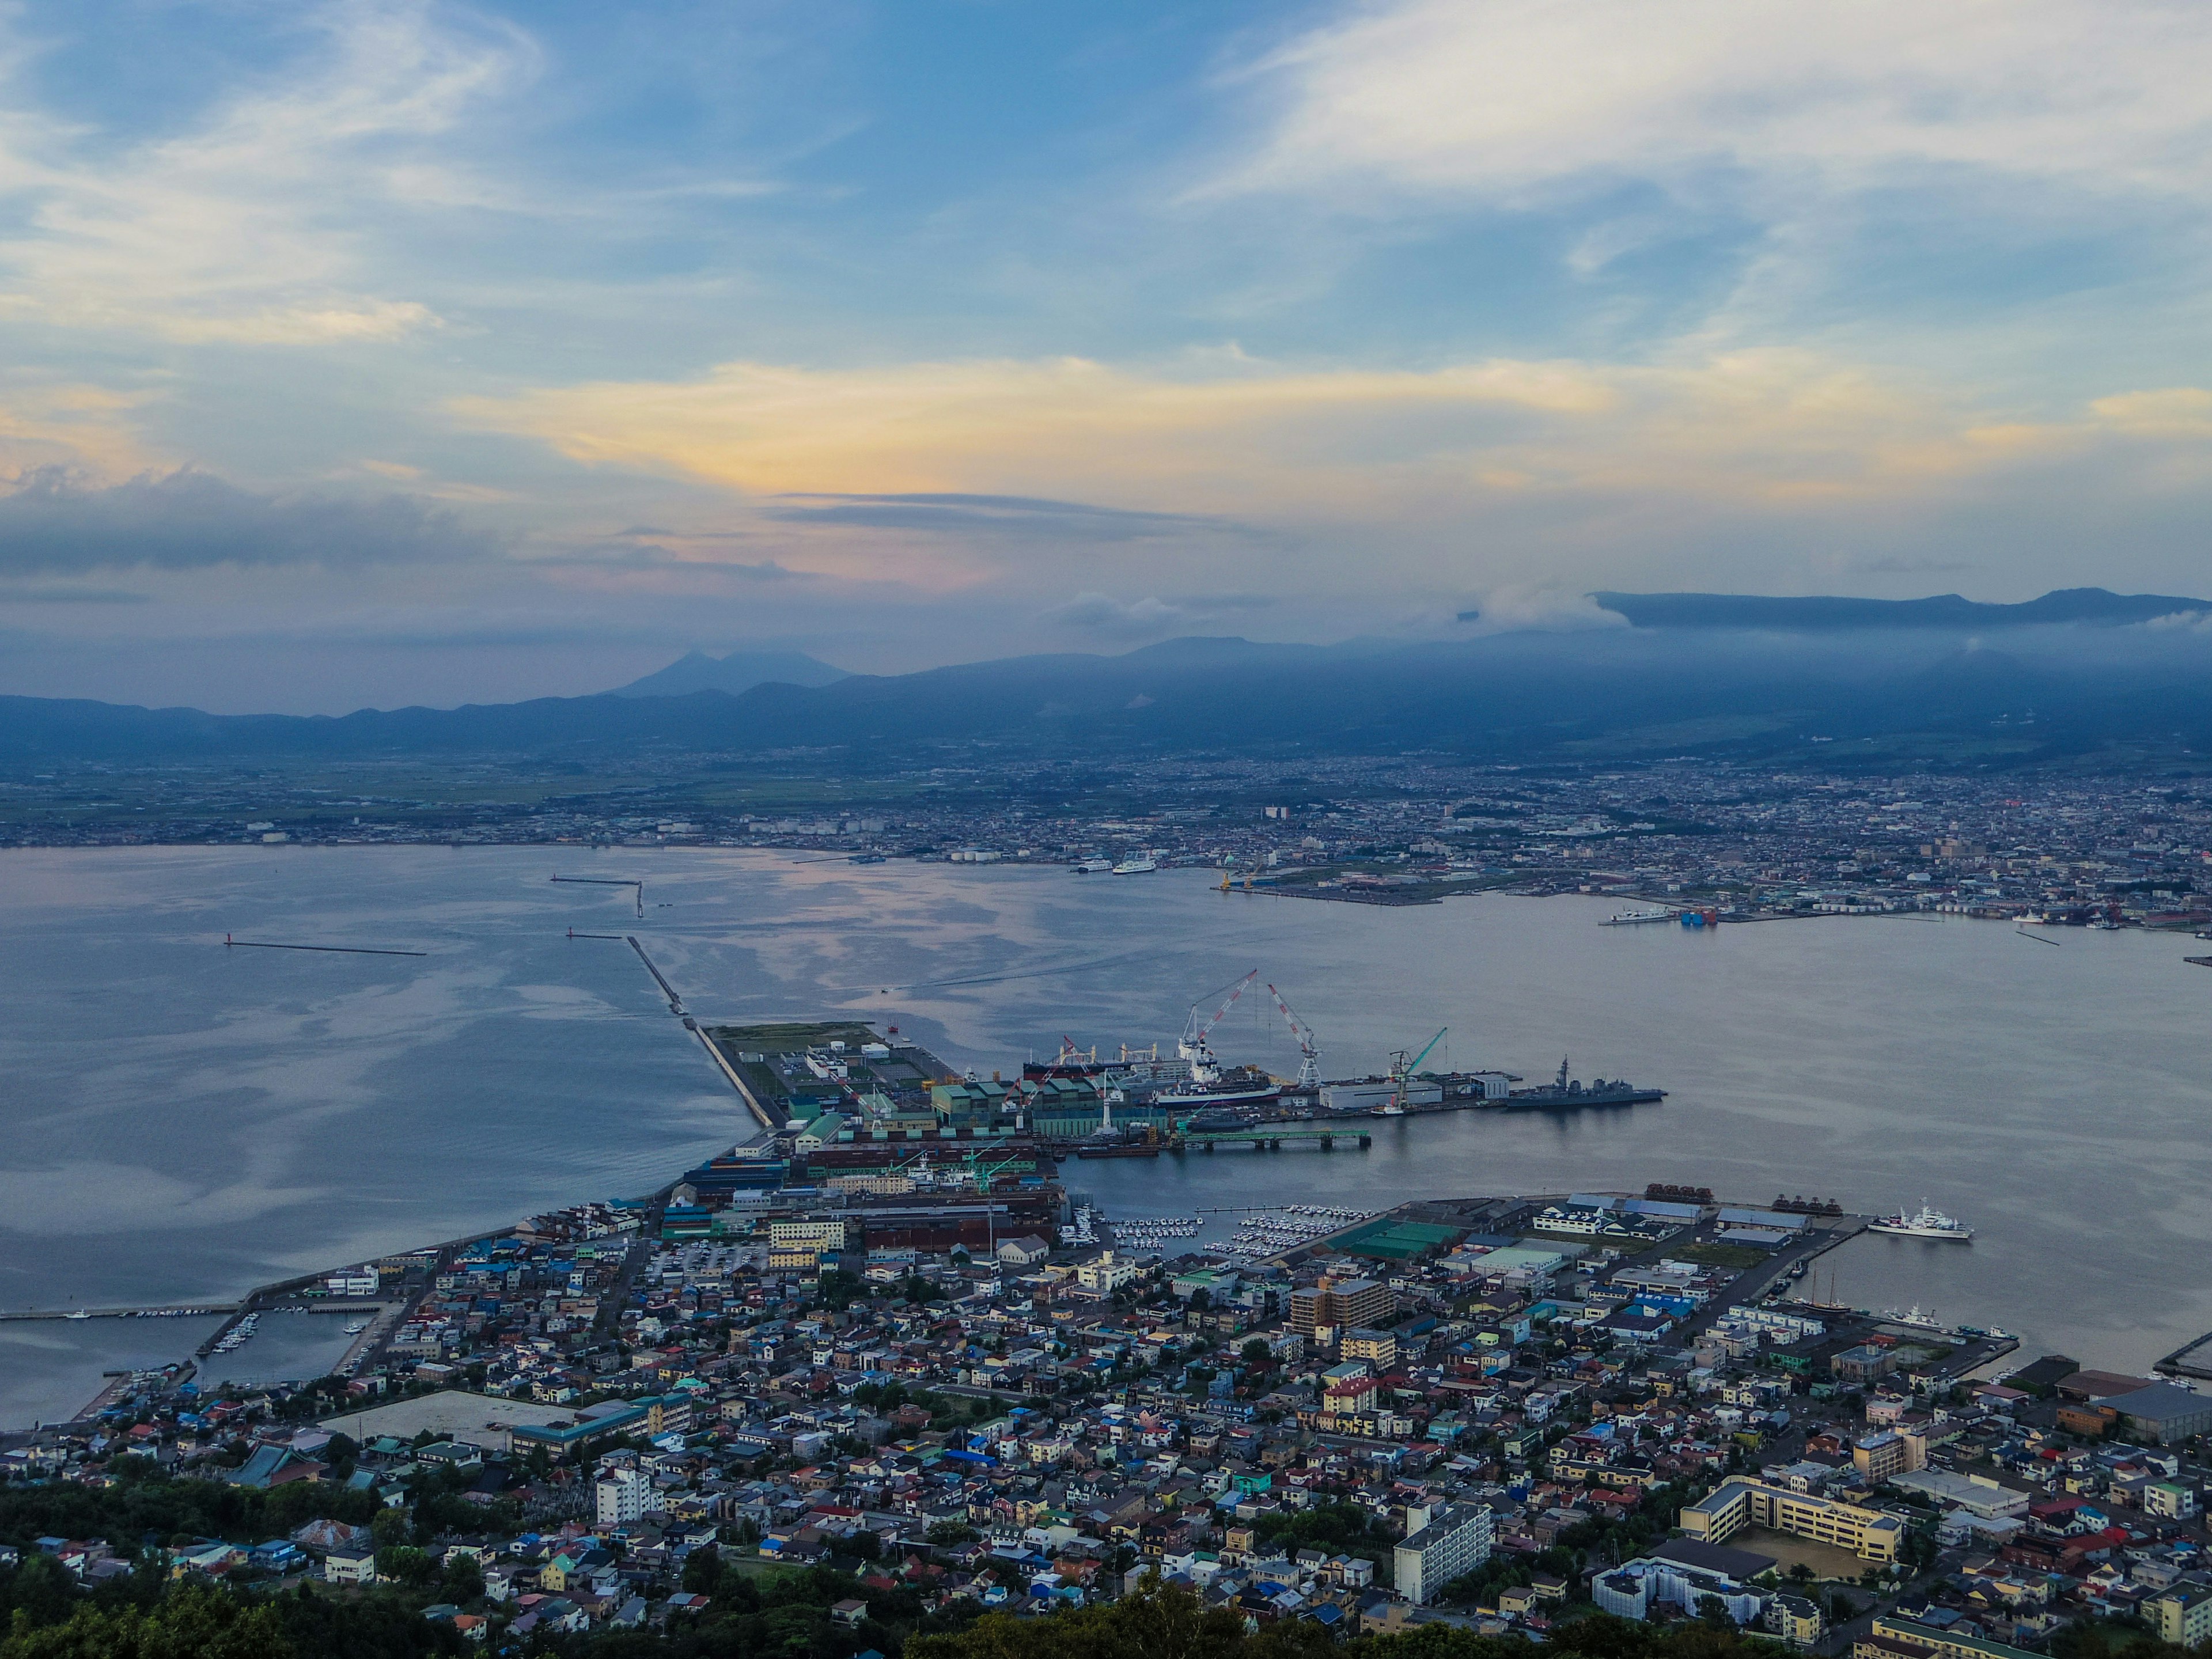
(1742, 843)
(883, 1364)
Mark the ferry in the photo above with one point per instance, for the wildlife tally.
(1930, 1223)
(1135, 867)
(1636, 918)
(1094, 867)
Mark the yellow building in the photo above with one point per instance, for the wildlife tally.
(1871, 1535)
(2182, 1616)
(1893, 1637)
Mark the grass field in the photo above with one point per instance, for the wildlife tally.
(1738, 1256)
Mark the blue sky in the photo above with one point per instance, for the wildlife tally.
(376, 353)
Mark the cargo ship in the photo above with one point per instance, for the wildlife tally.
(1563, 1091)
(1636, 918)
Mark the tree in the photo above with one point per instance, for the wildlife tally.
(404, 1563)
(462, 1581)
(391, 1526)
(702, 1570)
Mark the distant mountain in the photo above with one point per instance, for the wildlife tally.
(2066, 605)
(740, 671)
(1899, 695)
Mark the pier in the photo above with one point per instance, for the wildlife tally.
(1270, 1137)
(230, 944)
(173, 1310)
(2192, 1360)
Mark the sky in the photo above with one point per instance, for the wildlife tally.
(398, 351)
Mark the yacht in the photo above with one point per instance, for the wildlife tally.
(1930, 1223)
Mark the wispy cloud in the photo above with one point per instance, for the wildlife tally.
(954, 514)
(249, 227)
(1511, 97)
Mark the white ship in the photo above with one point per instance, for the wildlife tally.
(1917, 1320)
(1633, 918)
(1930, 1223)
(356, 1328)
(1134, 868)
(1094, 867)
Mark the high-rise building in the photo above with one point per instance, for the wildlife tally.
(1454, 1542)
(1337, 1303)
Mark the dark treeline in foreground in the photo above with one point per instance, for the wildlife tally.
(786, 1615)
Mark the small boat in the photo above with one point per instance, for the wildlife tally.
(356, 1328)
(79, 1314)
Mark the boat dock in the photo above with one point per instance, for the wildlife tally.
(177, 1310)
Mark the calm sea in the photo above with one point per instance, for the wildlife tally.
(179, 1121)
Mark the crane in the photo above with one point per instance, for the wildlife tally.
(1308, 1047)
(1194, 1049)
(1402, 1070)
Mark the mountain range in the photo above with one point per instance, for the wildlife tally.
(1716, 674)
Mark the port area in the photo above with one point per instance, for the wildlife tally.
(1694, 1275)
(831, 1086)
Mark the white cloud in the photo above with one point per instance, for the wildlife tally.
(253, 226)
(1508, 99)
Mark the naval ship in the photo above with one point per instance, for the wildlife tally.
(1563, 1091)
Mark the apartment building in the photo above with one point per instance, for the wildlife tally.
(1871, 1535)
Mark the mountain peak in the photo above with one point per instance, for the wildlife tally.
(741, 671)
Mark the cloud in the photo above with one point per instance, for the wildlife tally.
(1018, 442)
(69, 595)
(955, 513)
(1512, 99)
(1908, 564)
(251, 225)
(1112, 618)
(187, 520)
(1521, 609)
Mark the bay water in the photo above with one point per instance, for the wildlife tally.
(179, 1121)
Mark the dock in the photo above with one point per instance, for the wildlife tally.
(1270, 1137)
(2192, 1360)
(175, 1310)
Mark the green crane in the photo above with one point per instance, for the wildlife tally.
(1403, 1069)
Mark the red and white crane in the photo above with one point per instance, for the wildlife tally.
(1194, 1049)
